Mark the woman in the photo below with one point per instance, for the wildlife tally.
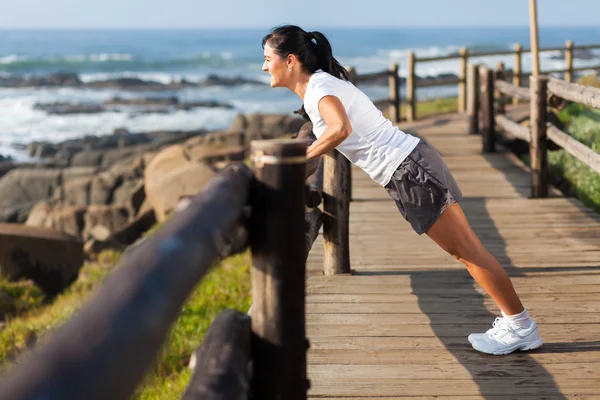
(412, 172)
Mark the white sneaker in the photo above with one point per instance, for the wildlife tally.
(498, 324)
(504, 339)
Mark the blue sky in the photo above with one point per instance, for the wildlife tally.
(267, 13)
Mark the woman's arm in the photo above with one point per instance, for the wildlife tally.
(338, 127)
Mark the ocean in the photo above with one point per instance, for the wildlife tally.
(194, 55)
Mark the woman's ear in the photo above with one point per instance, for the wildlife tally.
(291, 61)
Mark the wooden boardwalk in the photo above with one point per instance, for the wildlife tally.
(398, 327)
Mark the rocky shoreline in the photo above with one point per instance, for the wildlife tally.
(72, 80)
(106, 191)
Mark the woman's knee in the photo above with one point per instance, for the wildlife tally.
(464, 247)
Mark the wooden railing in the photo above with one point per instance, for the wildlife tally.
(464, 55)
(490, 110)
(105, 350)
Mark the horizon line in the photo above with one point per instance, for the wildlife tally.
(234, 28)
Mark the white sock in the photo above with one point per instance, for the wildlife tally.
(522, 320)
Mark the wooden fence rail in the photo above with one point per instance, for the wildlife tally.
(465, 55)
(540, 130)
(105, 350)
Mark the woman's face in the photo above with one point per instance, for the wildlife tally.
(276, 66)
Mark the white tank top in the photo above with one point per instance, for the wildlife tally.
(375, 144)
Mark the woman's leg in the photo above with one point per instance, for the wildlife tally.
(452, 233)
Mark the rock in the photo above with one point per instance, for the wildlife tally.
(69, 108)
(93, 247)
(38, 214)
(21, 188)
(51, 259)
(41, 149)
(215, 80)
(66, 219)
(145, 101)
(87, 159)
(198, 151)
(112, 218)
(130, 194)
(171, 175)
(75, 192)
(267, 126)
(135, 228)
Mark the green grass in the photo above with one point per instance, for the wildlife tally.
(31, 318)
(584, 125)
(428, 108)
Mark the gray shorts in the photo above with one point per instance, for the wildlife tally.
(423, 187)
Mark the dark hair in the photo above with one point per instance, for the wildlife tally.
(312, 49)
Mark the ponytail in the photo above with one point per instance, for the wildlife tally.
(311, 48)
(325, 58)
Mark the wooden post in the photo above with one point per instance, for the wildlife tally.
(473, 98)
(499, 76)
(534, 37)
(221, 361)
(462, 84)
(518, 69)
(336, 214)
(569, 61)
(277, 240)
(537, 148)
(348, 180)
(487, 110)
(351, 74)
(411, 96)
(394, 109)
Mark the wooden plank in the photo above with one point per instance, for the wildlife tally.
(577, 149)
(508, 125)
(339, 385)
(575, 92)
(398, 326)
(431, 357)
(455, 371)
(512, 90)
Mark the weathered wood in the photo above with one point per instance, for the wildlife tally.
(438, 82)
(336, 214)
(537, 146)
(517, 70)
(488, 133)
(277, 241)
(513, 91)
(569, 61)
(110, 343)
(50, 258)
(411, 94)
(587, 95)
(534, 38)
(514, 129)
(394, 81)
(577, 149)
(462, 76)
(360, 78)
(419, 297)
(500, 98)
(313, 196)
(222, 360)
(473, 98)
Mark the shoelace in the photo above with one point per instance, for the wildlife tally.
(499, 325)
